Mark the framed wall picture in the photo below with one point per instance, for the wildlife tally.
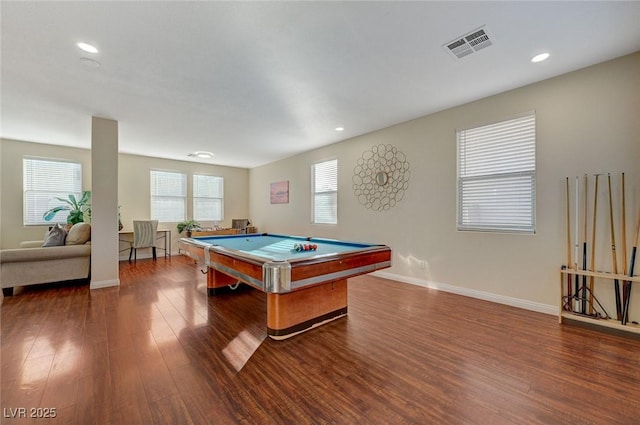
(279, 192)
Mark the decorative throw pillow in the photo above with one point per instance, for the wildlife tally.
(79, 234)
(55, 237)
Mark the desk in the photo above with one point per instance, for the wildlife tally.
(160, 234)
(304, 289)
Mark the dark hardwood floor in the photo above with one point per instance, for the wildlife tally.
(157, 350)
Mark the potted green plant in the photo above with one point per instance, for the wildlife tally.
(188, 226)
(77, 208)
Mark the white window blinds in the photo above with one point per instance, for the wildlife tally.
(496, 176)
(168, 196)
(208, 198)
(44, 180)
(325, 192)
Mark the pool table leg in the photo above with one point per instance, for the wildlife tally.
(294, 312)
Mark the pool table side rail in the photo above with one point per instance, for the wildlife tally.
(320, 269)
(288, 275)
(250, 272)
(192, 249)
(247, 270)
(285, 276)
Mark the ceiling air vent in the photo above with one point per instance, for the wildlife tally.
(469, 43)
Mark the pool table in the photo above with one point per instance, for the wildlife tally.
(305, 289)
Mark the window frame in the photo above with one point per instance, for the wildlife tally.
(60, 217)
(519, 172)
(152, 214)
(315, 194)
(195, 198)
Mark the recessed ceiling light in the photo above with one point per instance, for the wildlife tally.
(87, 47)
(339, 128)
(201, 154)
(540, 57)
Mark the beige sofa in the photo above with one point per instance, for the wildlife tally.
(34, 264)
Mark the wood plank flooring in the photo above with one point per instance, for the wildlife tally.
(157, 350)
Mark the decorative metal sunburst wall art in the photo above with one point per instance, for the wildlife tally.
(381, 177)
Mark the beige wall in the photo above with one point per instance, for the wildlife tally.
(587, 122)
(13, 231)
(133, 187)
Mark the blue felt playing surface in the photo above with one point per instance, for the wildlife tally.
(276, 247)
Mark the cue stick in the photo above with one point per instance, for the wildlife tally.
(584, 244)
(593, 235)
(569, 294)
(614, 258)
(577, 244)
(624, 247)
(634, 250)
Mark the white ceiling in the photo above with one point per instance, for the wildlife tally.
(255, 82)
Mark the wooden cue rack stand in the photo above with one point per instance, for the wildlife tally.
(573, 306)
(608, 323)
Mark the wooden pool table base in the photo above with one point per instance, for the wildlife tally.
(291, 313)
(298, 311)
(279, 334)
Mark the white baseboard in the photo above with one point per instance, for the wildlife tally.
(104, 284)
(487, 296)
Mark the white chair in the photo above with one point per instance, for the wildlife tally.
(144, 236)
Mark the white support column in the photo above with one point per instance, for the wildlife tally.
(104, 203)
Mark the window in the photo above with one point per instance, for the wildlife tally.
(496, 176)
(208, 198)
(325, 192)
(168, 196)
(44, 180)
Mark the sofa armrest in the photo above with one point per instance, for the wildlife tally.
(44, 254)
(31, 244)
